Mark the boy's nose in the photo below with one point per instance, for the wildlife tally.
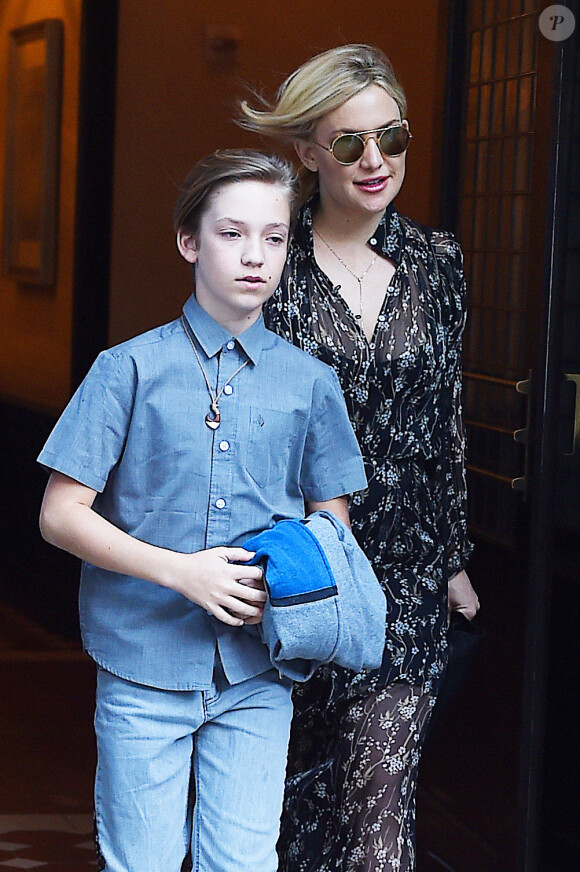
(253, 253)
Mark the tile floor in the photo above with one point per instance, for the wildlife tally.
(48, 842)
(46, 749)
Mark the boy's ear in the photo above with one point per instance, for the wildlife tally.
(187, 245)
(307, 153)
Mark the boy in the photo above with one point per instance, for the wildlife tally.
(178, 446)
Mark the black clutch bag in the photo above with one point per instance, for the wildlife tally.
(464, 640)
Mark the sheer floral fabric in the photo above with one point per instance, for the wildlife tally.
(354, 752)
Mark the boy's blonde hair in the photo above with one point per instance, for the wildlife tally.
(227, 166)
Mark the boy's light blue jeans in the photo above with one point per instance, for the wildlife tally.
(231, 741)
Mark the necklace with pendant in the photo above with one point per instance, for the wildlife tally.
(213, 417)
(359, 279)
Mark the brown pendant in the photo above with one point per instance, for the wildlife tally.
(213, 418)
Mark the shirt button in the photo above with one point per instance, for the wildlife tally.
(373, 241)
(230, 345)
(224, 445)
(228, 390)
(220, 504)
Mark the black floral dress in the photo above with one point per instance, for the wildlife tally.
(357, 737)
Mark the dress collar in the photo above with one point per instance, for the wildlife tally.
(388, 239)
(212, 336)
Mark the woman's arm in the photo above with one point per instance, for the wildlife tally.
(450, 263)
(461, 595)
(207, 578)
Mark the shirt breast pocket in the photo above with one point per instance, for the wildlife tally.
(270, 453)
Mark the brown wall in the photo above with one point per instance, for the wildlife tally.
(174, 105)
(35, 331)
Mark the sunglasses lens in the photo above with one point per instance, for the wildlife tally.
(394, 140)
(348, 148)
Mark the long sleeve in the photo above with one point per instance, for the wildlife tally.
(450, 260)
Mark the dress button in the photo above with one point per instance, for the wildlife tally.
(228, 390)
(224, 445)
(231, 344)
(220, 504)
(373, 241)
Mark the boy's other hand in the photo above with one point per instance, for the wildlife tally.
(257, 585)
(231, 593)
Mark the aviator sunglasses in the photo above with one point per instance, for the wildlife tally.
(349, 147)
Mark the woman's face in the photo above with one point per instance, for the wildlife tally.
(373, 181)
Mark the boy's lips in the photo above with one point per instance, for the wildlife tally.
(252, 280)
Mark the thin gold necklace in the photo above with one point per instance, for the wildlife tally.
(213, 417)
(359, 279)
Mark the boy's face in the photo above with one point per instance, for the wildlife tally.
(239, 251)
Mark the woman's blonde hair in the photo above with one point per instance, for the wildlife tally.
(319, 86)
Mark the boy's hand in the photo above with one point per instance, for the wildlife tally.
(257, 585)
(207, 578)
(234, 594)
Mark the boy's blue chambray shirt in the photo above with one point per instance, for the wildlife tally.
(135, 432)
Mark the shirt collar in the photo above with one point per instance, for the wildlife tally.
(388, 238)
(212, 336)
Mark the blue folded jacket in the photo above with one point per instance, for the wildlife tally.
(324, 601)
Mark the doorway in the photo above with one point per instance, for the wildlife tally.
(497, 791)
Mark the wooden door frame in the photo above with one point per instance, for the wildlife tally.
(94, 186)
(544, 445)
(555, 78)
(453, 112)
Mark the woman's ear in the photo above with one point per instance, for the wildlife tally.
(306, 151)
(187, 245)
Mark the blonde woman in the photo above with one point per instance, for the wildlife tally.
(382, 301)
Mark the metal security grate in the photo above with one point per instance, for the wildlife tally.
(495, 194)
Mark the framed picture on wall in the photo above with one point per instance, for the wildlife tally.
(33, 152)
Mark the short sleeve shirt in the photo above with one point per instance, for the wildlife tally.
(135, 432)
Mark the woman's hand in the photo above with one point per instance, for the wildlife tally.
(461, 596)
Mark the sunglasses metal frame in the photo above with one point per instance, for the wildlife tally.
(378, 133)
